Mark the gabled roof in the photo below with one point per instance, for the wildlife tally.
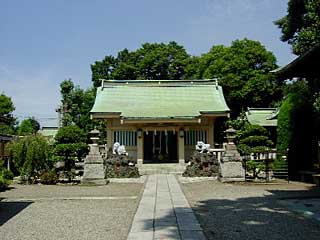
(159, 99)
(306, 65)
(266, 117)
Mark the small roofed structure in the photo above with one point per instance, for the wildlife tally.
(159, 120)
(265, 117)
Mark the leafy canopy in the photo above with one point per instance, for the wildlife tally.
(151, 61)
(301, 26)
(70, 145)
(243, 72)
(7, 121)
(76, 105)
(28, 126)
(30, 154)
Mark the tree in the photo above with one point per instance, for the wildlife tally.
(76, 105)
(243, 72)
(7, 121)
(28, 126)
(70, 145)
(301, 26)
(294, 132)
(30, 155)
(152, 61)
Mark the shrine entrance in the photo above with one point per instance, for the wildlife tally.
(160, 147)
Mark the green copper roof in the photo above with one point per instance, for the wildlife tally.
(266, 117)
(159, 98)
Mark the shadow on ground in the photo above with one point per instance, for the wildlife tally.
(10, 209)
(261, 218)
(266, 217)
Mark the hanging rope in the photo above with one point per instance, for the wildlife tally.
(160, 142)
(153, 142)
(166, 134)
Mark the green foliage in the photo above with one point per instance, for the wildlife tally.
(251, 130)
(243, 69)
(5, 176)
(256, 141)
(150, 61)
(70, 145)
(255, 167)
(294, 130)
(28, 126)
(243, 72)
(300, 27)
(7, 121)
(290, 111)
(30, 155)
(252, 139)
(76, 105)
(70, 134)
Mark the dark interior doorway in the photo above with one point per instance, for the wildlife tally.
(160, 147)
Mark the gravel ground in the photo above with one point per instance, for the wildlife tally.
(58, 212)
(253, 211)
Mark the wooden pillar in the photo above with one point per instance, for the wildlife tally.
(211, 132)
(140, 150)
(109, 134)
(181, 148)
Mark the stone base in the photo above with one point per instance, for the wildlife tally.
(95, 181)
(94, 172)
(232, 171)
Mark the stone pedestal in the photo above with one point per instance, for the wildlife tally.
(231, 169)
(93, 167)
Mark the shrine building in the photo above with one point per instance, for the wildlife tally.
(159, 121)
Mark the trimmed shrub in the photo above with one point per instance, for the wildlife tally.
(70, 147)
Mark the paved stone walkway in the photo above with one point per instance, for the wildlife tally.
(164, 212)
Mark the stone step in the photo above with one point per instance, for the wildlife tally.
(161, 168)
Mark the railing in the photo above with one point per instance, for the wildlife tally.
(266, 165)
(218, 152)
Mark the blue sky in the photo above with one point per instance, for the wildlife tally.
(45, 42)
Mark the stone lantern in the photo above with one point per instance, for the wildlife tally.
(94, 136)
(230, 135)
(93, 164)
(231, 169)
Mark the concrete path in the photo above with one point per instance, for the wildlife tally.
(164, 212)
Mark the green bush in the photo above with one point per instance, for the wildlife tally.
(255, 141)
(70, 146)
(30, 155)
(5, 176)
